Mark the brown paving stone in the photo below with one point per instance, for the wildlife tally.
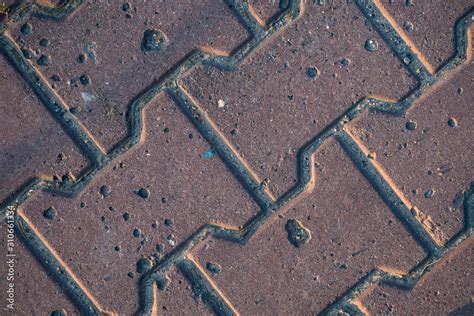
(183, 187)
(448, 291)
(352, 232)
(121, 70)
(32, 143)
(273, 104)
(268, 108)
(434, 156)
(35, 292)
(433, 24)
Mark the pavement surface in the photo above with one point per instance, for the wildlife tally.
(237, 157)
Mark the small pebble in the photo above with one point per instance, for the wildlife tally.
(131, 275)
(168, 222)
(345, 62)
(154, 40)
(126, 216)
(117, 248)
(50, 213)
(136, 233)
(143, 193)
(143, 265)
(429, 194)
(81, 58)
(298, 235)
(171, 240)
(105, 191)
(126, 7)
(410, 125)
(44, 60)
(56, 78)
(160, 247)
(220, 104)
(371, 45)
(59, 312)
(452, 122)
(28, 53)
(312, 72)
(44, 42)
(214, 268)
(85, 80)
(26, 29)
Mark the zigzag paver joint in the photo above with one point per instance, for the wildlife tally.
(170, 83)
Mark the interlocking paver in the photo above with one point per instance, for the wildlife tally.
(431, 164)
(447, 293)
(186, 194)
(352, 232)
(272, 106)
(118, 69)
(183, 187)
(31, 141)
(429, 24)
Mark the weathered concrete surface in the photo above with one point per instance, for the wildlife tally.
(287, 157)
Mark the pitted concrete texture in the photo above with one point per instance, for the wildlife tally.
(110, 38)
(236, 157)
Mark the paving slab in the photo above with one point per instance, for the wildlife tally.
(431, 163)
(183, 192)
(32, 142)
(352, 232)
(110, 37)
(276, 92)
(236, 157)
